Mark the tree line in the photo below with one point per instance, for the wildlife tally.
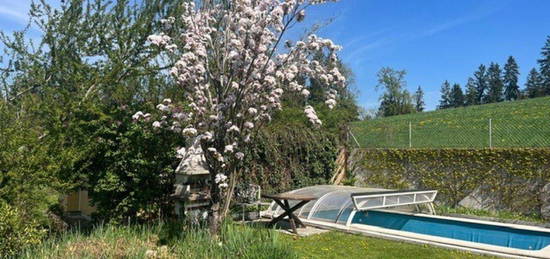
(492, 84)
(488, 84)
(396, 99)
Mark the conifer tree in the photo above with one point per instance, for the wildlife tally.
(470, 97)
(419, 100)
(457, 96)
(445, 101)
(495, 84)
(533, 87)
(511, 73)
(544, 69)
(480, 80)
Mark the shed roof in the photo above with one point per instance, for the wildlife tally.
(192, 164)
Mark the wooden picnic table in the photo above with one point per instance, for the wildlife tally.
(282, 199)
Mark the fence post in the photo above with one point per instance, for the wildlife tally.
(410, 135)
(490, 133)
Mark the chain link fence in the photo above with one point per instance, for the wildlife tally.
(439, 133)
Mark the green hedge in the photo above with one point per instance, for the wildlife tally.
(513, 177)
(290, 157)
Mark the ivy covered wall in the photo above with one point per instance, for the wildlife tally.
(510, 179)
(291, 157)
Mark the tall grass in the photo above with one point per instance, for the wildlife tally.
(164, 240)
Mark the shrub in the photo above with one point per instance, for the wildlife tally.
(28, 164)
(16, 232)
(284, 158)
(128, 169)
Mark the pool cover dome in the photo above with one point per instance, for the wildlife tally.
(338, 204)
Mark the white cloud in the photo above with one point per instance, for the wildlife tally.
(14, 10)
(484, 9)
(360, 39)
(360, 50)
(12, 13)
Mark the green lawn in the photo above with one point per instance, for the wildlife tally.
(343, 245)
(524, 123)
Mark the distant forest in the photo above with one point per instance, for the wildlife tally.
(493, 83)
(488, 84)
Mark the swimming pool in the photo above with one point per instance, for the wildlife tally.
(467, 231)
(398, 215)
(448, 228)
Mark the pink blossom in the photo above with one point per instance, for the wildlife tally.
(137, 116)
(189, 132)
(239, 155)
(252, 111)
(207, 136)
(159, 40)
(163, 107)
(234, 129)
(330, 103)
(220, 178)
(249, 125)
(234, 72)
(301, 15)
(229, 148)
(312, 115)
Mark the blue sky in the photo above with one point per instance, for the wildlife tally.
(434, 40)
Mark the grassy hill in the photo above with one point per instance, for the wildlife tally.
(524, 123)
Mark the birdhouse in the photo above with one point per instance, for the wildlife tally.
(192, 183)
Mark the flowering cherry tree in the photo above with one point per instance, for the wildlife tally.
(234, 66)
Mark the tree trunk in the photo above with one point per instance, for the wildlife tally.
(214, 219)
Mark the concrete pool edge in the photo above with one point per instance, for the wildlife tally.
(398, 235)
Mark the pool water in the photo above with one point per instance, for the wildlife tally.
(474, 232)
